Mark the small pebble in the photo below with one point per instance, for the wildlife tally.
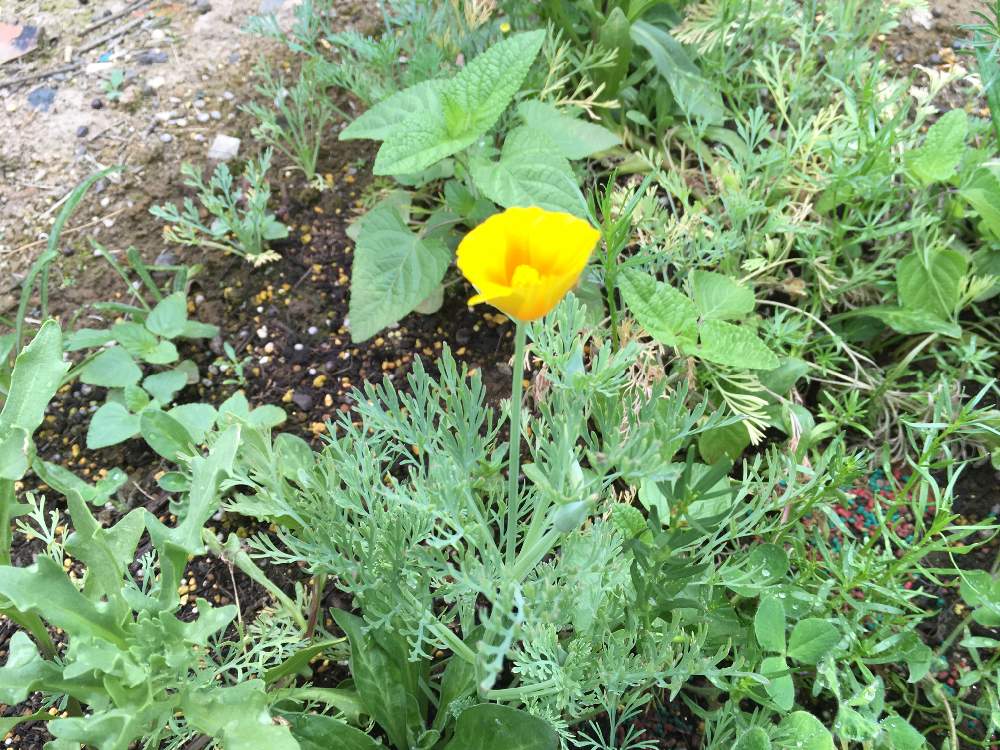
(82, 132)
(215, 114)
(166, 137)
(202, 117)
(97, 104)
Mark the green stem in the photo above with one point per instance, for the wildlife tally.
(517, 693)
(514, 462)
(531, 556)
(234, 553)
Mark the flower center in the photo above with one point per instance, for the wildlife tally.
(524, 276)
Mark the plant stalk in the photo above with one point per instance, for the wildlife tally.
(514, 462)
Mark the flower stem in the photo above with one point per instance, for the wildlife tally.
(514, 462)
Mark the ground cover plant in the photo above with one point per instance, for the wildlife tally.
(745, 272)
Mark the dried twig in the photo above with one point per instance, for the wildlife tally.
(115, 16)
(108, 37)
(17, 81)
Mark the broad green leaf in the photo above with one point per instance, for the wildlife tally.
(394, 270)
(801, 730)
(812, 639)
(614, 36)
(983, 193)
(299, 661)
(695, 95)
(911, 322)
(163, 386)
(488, 726)
(134, 398)
(930, 282)
(162, 354)
(899, 734)
(469, 105)
(197, 419)
(668, 315)
(135, 337)
(941, 153)
(164, 434)
(9, 723)
(25, 671)
(318, 732)
(44, 588)
(194, 329)
(530, 173)
(719, 297)
(112, 368)
(388, 688)
(780, 687)
(723, 442)
(37, 375)
(736, 346)
(16, 453)
(169, 318)
(574, 138)
(239, 716)
(110, 425)
(267, 415)
(88, 338)
(981, 590)
(379, 122)
(754, 739)
(769, 625)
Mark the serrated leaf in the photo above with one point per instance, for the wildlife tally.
(112, 368)
(573, 137)
(169, 317)
(394, 271)
(983, 192)
(668, 315)
(812, 639)
(110, 425)
(530, 173)
(379, 122)
(719, 297)
(930, 282)
(735, 346)
(939, 156)
(468, 106)
(37, 375)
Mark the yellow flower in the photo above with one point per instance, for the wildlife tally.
(505, 28)
(524, 260)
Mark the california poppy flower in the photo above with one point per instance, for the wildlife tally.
(524, 260)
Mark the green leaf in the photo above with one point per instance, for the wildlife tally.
(387, 683)
(908, 321)
(112, 368)
(394, 271)
(981, 590)
(462, 110)
(723, 442)
(983, 193)
(379, 122)
(169, 318)
(194, 329)
(16, 453)
(801, 730)
(769, 625)
(44, 588)
(668, 315)
(754, 739)
(88, 338)
(530, 173)
(735, 346)
(573, 137)
(25, 671)
(110, 425)
(299, 661)
(930, 282)
(899, 734)
(37, 375)
(719, 297)
(938, 158)
(696, 96)
(164, 434)
(197, 419)
(318, 732)
(488, 726)
(812, 639)
(267, 415)
(780, 687)
(163, 386)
